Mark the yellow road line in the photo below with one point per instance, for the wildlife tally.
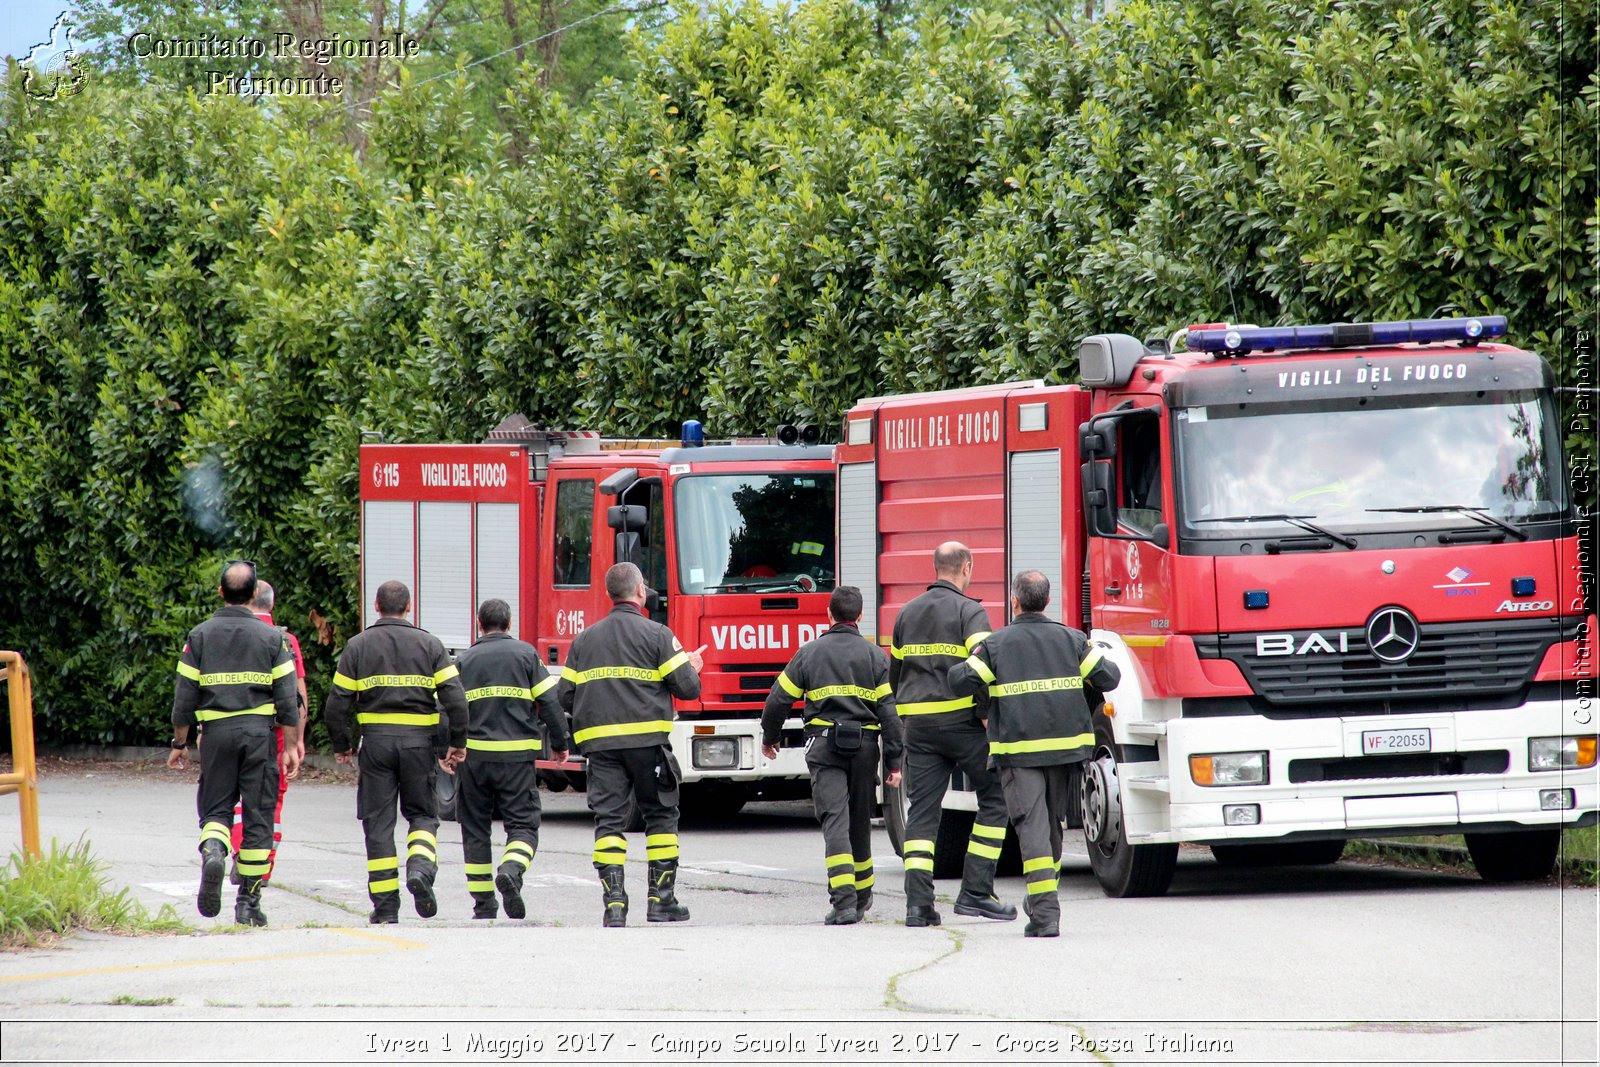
(390, 944)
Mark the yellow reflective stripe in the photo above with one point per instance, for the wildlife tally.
(662, 852)
(981, 668)
(1038, 863)
(825, 722)
(253, 870)
(478, 868)
(570, 675)
(1035, 685)
(212, 715)
(1089, 662)
(611, 842)
(1043, 744)
(595, 674)
(344, 681)
(848, 878)
(521, 859)
(366, 718)
(622, 729)
(839, 860)
(1047, 886)
(990, 852)
(997, 833)
(443, 676)
(519, 848)
(543, 687)
(512, 691)
(895, 652)
(933, 707)
(238, 678)
(610, 859)
(421, 835)
(882, 691)
(216, 831)
(388, 885)
(919, 863)
(863, 865)
(672, 664)
(480, 886)
(385, 863)
(975, 639)
(806, 548)
(661, 839)
(841, 691)
(255, 855)
(191, 673)
(384, 681)
(865, 881)
(286, 667)
(918, 846)
(958, 651)
(526, 744)
(789, 687)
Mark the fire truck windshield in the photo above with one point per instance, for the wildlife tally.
(1370, 465)
(754, 533)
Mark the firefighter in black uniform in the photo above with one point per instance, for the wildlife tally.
(844, 680)
(397, 676)
(1037, 672)
(508, 692)
(236, 681)
(619, 680)
(944, 732)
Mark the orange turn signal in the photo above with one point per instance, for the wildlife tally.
(1586, 751)
(1201, 770)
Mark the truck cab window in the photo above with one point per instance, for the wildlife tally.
(574, 537)
(1139, 446)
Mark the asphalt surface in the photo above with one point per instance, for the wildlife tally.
(1353, 963)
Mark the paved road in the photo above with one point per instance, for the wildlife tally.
(1352, 963)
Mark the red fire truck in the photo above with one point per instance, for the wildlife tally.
(1338, 567)
(735, 539)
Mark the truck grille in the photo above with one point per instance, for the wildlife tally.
(1452, 659)
(740, 689)
(1410, 765)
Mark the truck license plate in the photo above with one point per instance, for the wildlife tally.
(1380, 742)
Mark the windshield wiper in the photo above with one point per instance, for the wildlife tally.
(1292, 520)
(1481, 514)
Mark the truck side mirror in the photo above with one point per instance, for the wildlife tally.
(1161, 537)
(629, 549)
(1100, 498)
(1097, 441)
(627, 518)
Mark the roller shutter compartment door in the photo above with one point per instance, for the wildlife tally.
(388, 549)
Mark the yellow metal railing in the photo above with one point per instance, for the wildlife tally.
(24, 777)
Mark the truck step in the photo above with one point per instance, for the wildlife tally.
(1147, 729)
(1152, 784)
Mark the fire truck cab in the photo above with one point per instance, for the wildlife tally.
(735, 541)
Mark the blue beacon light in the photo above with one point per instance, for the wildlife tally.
(1237, 340)
(694, 435)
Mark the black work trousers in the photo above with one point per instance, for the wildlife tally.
(484, 789)
(1036, 798)
(396, 768)
(617, 778)
(932, 753)
(844, 790)
(239, 765)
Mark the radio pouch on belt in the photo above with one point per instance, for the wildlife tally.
(846, 736)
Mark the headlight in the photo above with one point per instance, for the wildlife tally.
(716, 752)
(1560, 753)
(1229, 768)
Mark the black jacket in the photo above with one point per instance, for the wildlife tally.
(1035, 671)
(933, 633)
(507, 687)
(235, 673)
(398, 677)
(842, 677)
(619, 680)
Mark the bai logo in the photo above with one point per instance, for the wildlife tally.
(52, 70)
(1458, 584)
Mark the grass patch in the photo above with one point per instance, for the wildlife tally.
(43, 899)
(142, 1002)
(1576, 863)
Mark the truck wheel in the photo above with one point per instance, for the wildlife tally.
(950, 843)
(1123, 870)
(1280, 854)
(1517, 856)
(713, 801)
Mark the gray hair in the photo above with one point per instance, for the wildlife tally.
(265, 596)
(622, 581)
(1032, 590)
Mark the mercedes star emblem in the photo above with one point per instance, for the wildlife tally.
(1393, 634)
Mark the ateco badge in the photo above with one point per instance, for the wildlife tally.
(1392, 634)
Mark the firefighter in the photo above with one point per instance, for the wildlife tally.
(398, 677)
(508, 692)
(944, 733)
(1036, 672)
(235, 680)
(844, 680)
(618, 683)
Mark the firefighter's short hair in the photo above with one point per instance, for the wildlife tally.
(1032, 590)
(622, 581)
(845, 604)
(393, 598)
(950, 557)
(494, 615)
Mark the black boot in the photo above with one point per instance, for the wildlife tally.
(864, 901)
(508, 879)
(985, 907)
(664, 906)
(616, 897)
(844, 910)
(385, 908)
(419, 883)
(213, 865)
(922, 915)
(484, 906)
(247, 909)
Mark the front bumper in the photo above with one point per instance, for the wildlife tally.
(701, 763)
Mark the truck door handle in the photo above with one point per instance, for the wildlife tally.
(1113, 589)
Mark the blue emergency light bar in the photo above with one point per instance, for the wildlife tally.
(1237, 340)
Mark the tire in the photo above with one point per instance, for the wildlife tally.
(714, 801)
(949, 842)
(1123, 870)
(1280, 854)
(1517, 856)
